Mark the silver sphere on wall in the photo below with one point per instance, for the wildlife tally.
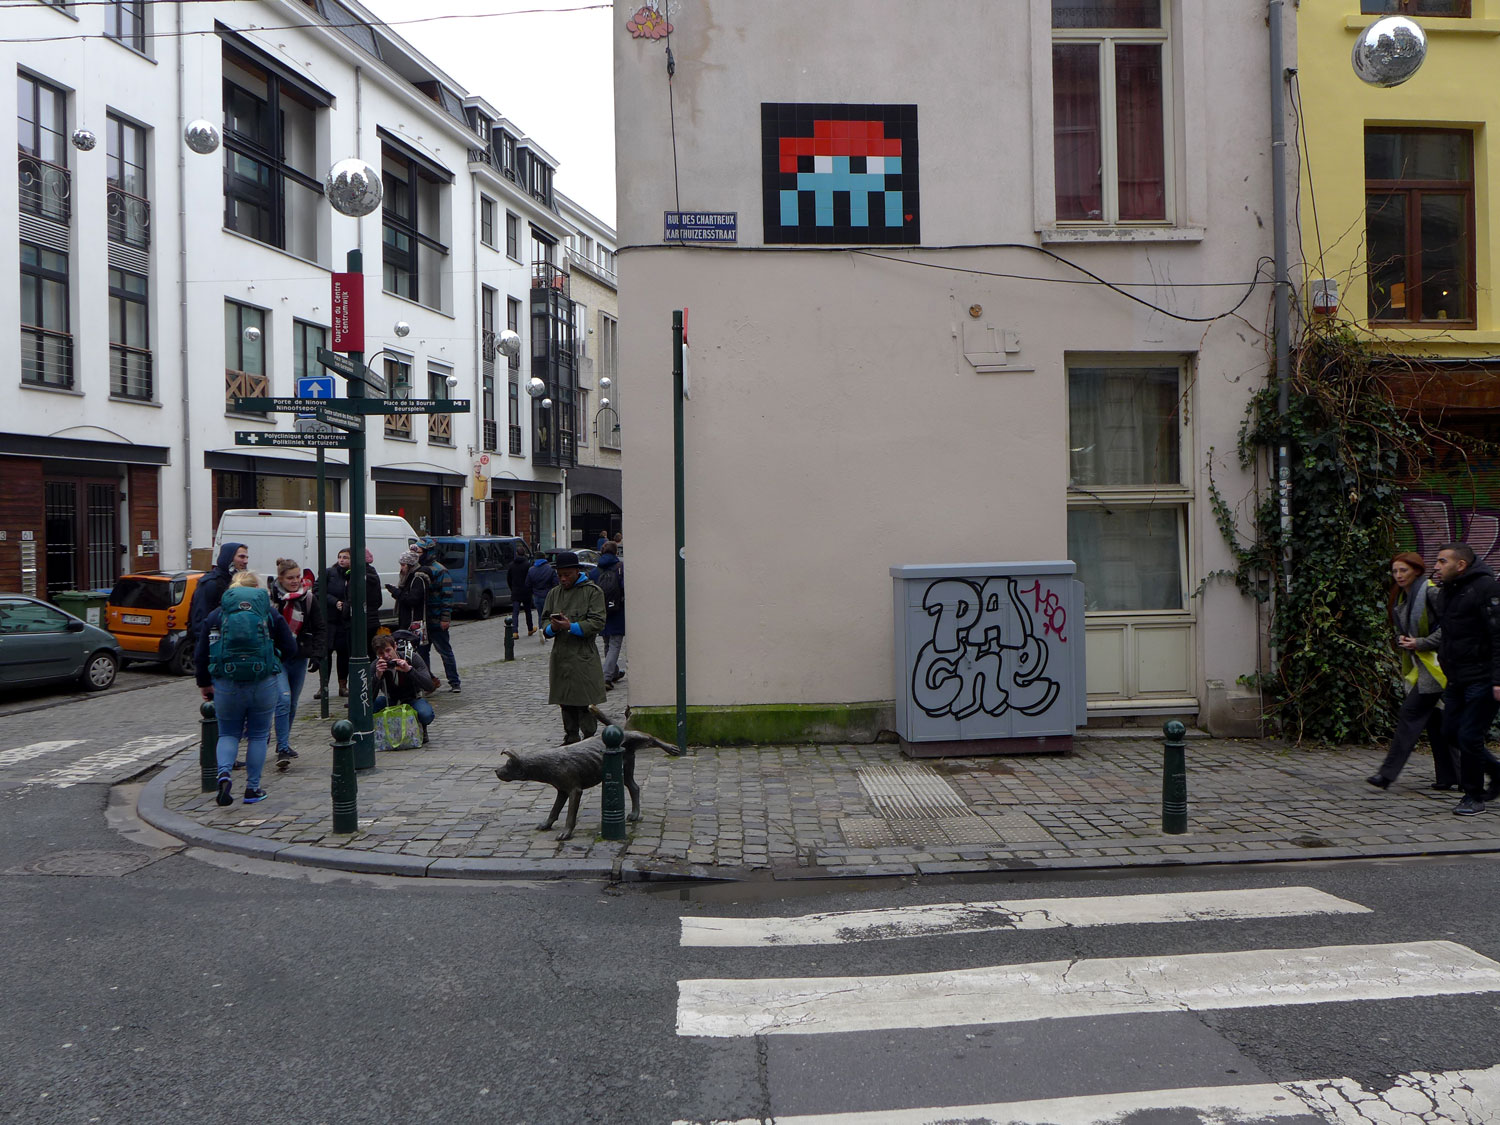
(605, 383)
(84, 140)
(202, 136)
(510, 344)
(402, 328)
(353, 188)
(546, 404)
(252, 335)
(536, 388)
(1389, 51)
(603, 402)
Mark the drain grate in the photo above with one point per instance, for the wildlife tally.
(911, 791)
(99, 863)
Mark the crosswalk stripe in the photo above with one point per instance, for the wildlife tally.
(1088, 987)
(35, 750)
(1013, 914)
(108, 761)
(1447, 1096)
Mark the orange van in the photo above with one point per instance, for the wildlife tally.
(148, 615)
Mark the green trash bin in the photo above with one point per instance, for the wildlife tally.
(86, 604)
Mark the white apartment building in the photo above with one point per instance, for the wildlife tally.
(902, 348)
(156, 284)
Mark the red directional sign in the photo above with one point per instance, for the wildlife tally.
(348, 312)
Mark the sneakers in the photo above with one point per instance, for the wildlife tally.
(455, 688)
(252, 796)
(1468, 807)
(225, 797)
(284, 759)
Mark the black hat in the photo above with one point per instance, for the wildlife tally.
(565, 558)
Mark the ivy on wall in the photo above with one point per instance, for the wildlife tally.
(1351, 452)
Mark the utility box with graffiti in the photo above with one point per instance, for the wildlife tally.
(989, 658)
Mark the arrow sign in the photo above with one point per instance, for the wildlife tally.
(278, 439)
(406, 405)
(339, 417)
(341, 364)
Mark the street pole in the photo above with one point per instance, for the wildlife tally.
(1282, 317)
(679, 488)
(318, 590)
(360, 701)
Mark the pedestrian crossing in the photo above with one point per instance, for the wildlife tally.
(108, 763)
(1105, 989)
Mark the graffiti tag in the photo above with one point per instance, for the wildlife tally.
(984, 653)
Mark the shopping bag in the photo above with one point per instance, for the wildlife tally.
(398, 728)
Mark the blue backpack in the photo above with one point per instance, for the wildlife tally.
(241, 648)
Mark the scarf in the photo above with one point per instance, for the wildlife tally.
(294, 607)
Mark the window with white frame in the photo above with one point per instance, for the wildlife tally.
(1110, 92)
(414, 257)
(513, 236)
(583, 414)
(487, 221)
(125, 22)
(1127, 498)
(398, 379)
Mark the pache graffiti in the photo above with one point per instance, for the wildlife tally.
(986, 652)
(1434, 521)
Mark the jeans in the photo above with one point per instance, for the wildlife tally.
(293, 676)
(612, 646)
(1468, 711)
(518, 603)
(249, 707)
(437, 638)
(1419, 712)
(425, 713)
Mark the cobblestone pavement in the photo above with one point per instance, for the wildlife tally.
(806, 811)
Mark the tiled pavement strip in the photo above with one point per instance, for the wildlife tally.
(807, 811)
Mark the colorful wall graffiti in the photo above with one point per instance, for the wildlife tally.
(1458, 499)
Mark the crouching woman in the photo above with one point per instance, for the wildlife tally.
(400, 677)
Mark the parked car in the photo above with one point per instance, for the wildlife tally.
(476, 564)
(586, 558)
(148, 615)
(40, 644)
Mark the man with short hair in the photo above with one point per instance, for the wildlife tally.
(1469, 655)
(573, 615)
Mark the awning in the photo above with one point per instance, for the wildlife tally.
(76, 449)
(599, 482)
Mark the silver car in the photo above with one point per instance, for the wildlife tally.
(40, 644)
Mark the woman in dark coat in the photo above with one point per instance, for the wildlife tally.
(297, 603)
(339, 609)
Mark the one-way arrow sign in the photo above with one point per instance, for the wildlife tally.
(277, 439)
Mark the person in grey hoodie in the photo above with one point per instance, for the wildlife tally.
(1417, 637)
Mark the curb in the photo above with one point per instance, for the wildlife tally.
(625, 868)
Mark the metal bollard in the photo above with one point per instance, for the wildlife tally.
(345, 783)
(1174, 803)
(510, 639)
(208, 747)
(613, 788)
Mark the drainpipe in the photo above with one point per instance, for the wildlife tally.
(182, 293)
(477, 354)
(1283, 313)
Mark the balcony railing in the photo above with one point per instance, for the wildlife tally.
(515, 440)
(440, 429)
(491, 436)
(46, 358)
(398, 425)
(544, 275)
(129, 218)
(244, 384)
(130, 372)
(46, 188)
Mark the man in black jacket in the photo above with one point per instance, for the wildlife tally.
(233, 558)
(520, 600)
(1469, 655)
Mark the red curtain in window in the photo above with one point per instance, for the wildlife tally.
(1077, 144)
(1138, 122)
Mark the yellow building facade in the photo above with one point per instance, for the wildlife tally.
(1397, 207)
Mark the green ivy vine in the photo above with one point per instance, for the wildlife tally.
(1352, 449)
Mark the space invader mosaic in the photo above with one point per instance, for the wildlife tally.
(840, 173)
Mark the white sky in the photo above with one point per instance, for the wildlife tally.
(551, 73)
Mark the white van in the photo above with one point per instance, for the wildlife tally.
(280, 533)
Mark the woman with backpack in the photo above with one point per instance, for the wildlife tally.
(238, 659)
(297, 602)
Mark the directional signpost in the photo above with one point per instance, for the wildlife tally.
(281, 439)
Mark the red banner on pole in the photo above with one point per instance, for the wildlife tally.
(348, 312)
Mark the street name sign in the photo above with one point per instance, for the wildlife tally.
(280, 439)
(273, 405)
(700, 226)
(341, 364)
(406, 405)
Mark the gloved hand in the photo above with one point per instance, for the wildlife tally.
(392, 589)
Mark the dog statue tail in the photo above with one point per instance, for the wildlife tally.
(639, 736)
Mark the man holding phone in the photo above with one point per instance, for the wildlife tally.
(574, 613)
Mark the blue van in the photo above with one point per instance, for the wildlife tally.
(477, 564)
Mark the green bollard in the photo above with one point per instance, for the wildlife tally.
(345, 784)
(510, 640)
(208, 747)
(1174, 801)
(613, 788)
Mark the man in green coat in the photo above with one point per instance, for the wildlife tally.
(573, 614)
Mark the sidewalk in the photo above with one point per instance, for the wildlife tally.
(793, 812)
